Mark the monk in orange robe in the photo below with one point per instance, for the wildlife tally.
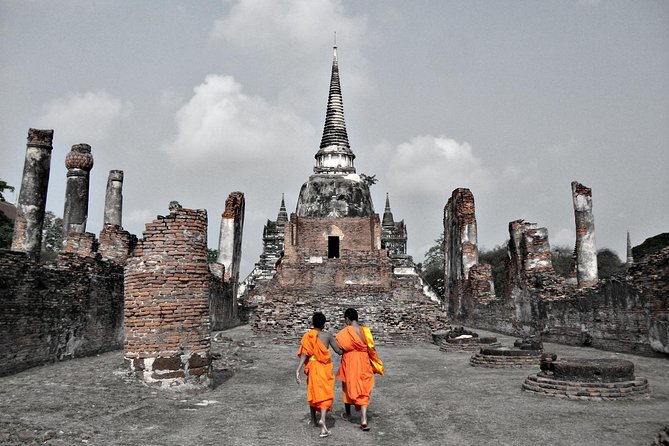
(355, 371)
(315, 357)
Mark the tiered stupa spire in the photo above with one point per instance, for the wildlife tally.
(388, 220)
(283, 215)
(335, 155)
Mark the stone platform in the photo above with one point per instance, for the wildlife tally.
(588, 379)
(504, 357)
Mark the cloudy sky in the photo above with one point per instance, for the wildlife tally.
(194, 100)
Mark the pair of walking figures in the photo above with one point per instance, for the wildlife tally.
(359, 362)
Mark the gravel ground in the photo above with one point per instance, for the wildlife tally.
(427, 397)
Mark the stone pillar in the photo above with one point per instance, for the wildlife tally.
(32, 197)
(586, 252)
(230, 238)
(630, 257)
(79, 162)
(166, 289)
(460, 245)
(114, 199)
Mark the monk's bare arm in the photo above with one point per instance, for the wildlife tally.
(301, 360)
(335, 346)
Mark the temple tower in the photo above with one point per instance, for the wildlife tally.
(79, 163)
(332, 256)
(393, 236)
(31, 205)
(335, 189)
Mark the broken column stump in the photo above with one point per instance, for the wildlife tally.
(461, 340)
(588, 379)
(166, 291)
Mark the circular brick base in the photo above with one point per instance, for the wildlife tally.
(506, 361)
(544, 384)
(466, 347)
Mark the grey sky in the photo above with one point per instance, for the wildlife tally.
(194, 100)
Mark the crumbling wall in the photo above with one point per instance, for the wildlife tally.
(69, 308)
(395, 309)
(626, 313)
(167, 331)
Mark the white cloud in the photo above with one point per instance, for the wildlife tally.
(222, 124)
(289, 38)
(270, 26)
(430, 164)
(562, 237)
(84, 117)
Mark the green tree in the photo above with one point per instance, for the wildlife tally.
(369, 180)
(3, 187)
(52, 236)
(6, 231)
(432, 269)
(563, 260)
(212, 255)
(608, 263)
(6, 225)
(496, 258)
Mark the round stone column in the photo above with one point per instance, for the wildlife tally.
(31, 205)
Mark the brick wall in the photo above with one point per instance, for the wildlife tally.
(396, 309)
(356, 233)
(115, 244)
(59, 310)
(167, 327)
(627, 313)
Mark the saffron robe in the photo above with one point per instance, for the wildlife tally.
(355, 370)
(318, 368)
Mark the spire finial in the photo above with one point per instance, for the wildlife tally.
(335, 39)
(283, 215)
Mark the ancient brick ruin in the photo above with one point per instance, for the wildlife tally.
(337, 254)
(69, 307)
(463, 275)
(627, 313)
(223, 303)
(166, 288)
(588, 379)
(159, 300)
(586, 252)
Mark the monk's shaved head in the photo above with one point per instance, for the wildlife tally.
(351, 314)
(318, 320)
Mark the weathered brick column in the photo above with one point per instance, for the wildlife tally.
(586, 252)
(32, 197)
(230, 237)
(223, 300)
(79, 163)
(460, 245)
(536, 251)
(114, 199)
(166, 291)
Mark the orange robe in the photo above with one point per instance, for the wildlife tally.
(355, 371)
(318, 368)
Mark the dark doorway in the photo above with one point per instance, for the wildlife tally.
(333, 247)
